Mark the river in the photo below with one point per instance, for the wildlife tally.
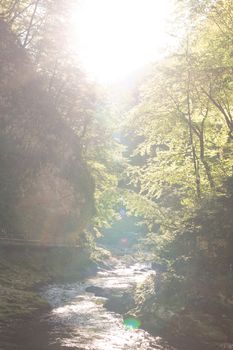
(81, 320)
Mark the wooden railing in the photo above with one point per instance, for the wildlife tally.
(38, 243)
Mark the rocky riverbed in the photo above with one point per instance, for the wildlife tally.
(88, 315)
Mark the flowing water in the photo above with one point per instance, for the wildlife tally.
(80, 320)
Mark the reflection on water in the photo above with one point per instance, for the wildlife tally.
(79, 319)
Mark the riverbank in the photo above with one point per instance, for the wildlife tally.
(81, 319)
(24, 269)
(203, 325)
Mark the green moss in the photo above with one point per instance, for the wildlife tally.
(22, 270)
(201, 326)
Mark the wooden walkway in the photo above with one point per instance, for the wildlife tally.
(35, 243)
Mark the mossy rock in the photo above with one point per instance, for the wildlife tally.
(198, 326)
(22, 271)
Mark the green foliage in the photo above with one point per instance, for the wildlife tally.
(59, 130)
(180, 171)
(46, 189)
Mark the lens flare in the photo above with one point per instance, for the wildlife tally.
(124, 241)
(132, 323)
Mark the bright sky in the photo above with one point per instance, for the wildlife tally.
(119, 36)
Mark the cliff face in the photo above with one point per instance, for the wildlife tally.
(46, 191)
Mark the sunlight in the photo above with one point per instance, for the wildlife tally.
(118, 37)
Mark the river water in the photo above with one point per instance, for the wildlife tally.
(80, 320)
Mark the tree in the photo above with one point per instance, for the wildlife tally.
(180, 173)
(44, 176)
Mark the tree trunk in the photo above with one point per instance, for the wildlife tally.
(30, 24)
(202, 155)
(194, 155)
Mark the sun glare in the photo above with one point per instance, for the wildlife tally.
(117, 37)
